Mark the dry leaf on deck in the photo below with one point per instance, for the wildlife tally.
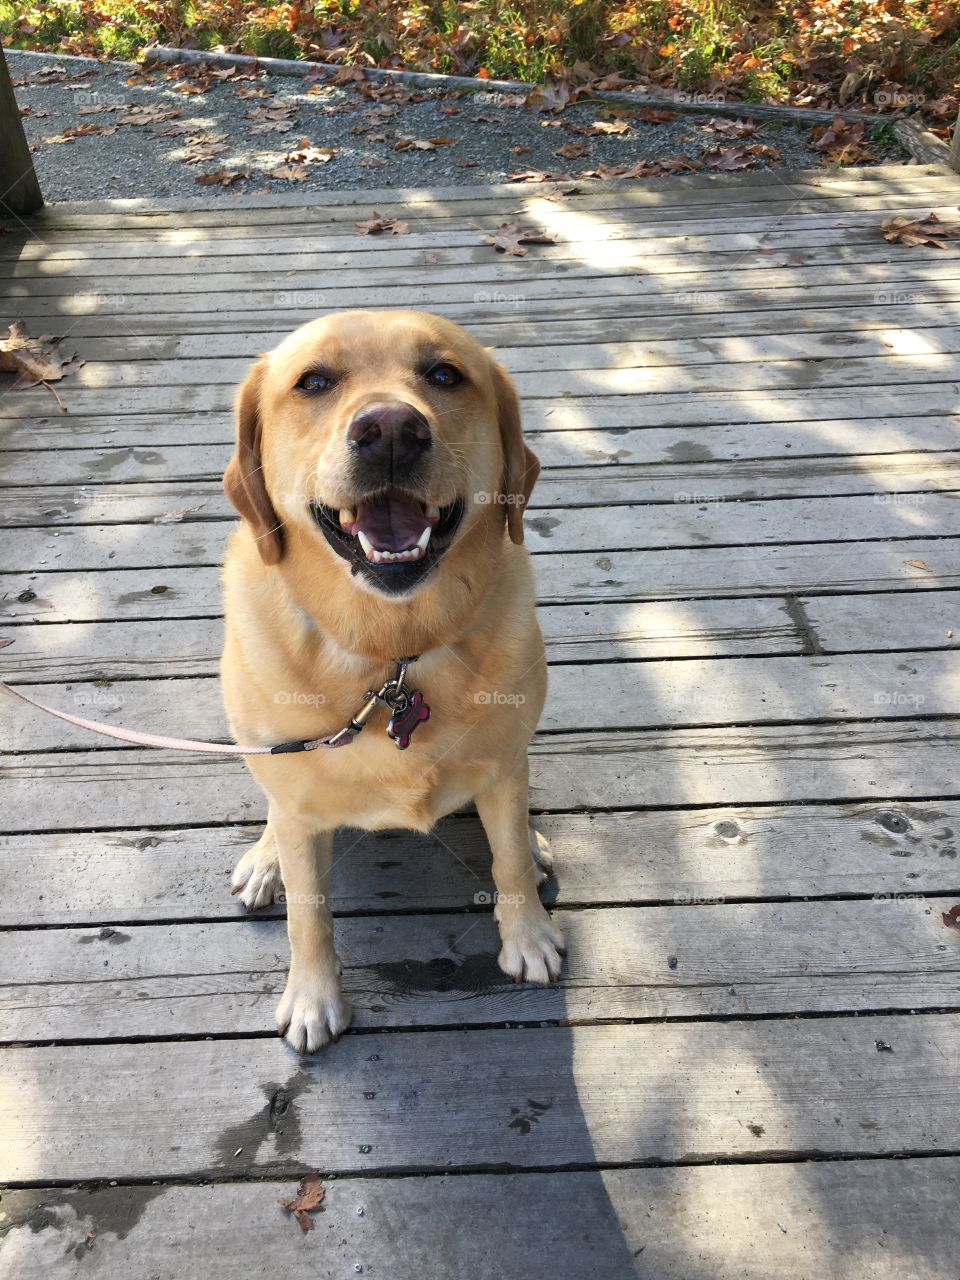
(34, 361)
(378, 224)
(510, 238)
(309, 1197)
(899, 229)
(951, 918)
(917, 564)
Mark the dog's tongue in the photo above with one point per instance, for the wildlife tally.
(392, 521)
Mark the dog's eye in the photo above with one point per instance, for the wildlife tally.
(315, 381)
(444, 375)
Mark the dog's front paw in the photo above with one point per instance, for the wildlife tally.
(532, 946)
(312, 1013)
(256, 877)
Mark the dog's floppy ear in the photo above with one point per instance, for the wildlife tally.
(243, 479)
(521, 465)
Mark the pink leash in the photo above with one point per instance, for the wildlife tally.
(408, 710)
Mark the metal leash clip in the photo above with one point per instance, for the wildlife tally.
(407, 709)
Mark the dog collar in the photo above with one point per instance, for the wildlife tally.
(407, 707)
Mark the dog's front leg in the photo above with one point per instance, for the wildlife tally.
(531, 943)
(312, 1011)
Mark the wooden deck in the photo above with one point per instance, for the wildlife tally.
(748, 555)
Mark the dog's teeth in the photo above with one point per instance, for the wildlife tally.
(346, 517)
(424, 539)
(366, 544)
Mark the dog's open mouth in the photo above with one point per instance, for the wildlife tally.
(392, 537)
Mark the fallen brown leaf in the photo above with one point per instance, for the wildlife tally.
(307, 153)
(34, 361)
(552, 96)
(511, 237)
(222, 177)
(378, 224)
(732, 128)
(611, 126)
(538, 175)
(572, 150)
(917, 564)
(899, 229)
(309, 1197)
(951, 918)
(654, 115)
(288, 172)
(728, 158)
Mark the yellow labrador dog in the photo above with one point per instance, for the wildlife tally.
(381, 473)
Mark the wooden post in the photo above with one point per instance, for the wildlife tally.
(19, 189)
(954, 158)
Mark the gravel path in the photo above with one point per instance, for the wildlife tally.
(490, 138)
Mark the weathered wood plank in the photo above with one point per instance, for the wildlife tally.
(403, 971)
(573, 633)
(817, 186)
(523, 344)
(499, 285)
(677, 1091)
(931, 621)
(916, 564)
(764, 224)
(540, 324)
(690, 856)
(701, 524)
(568, 261)
(584, 411)
(98, 444)
(109, 789)
(628, 695)
(860, 1218)
(783, 355)
(902, 479)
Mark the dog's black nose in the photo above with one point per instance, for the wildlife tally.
(390, 434)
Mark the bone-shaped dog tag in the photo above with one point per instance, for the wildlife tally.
(404, 722)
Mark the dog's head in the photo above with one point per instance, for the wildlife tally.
(385, 437)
